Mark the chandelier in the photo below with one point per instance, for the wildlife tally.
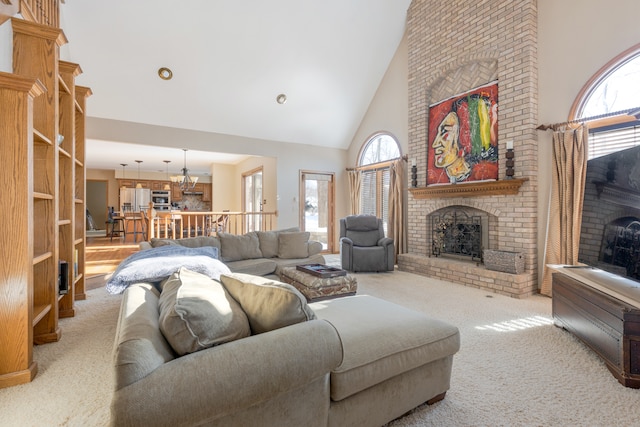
(185, 181)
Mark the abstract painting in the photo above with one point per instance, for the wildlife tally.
(463, 137)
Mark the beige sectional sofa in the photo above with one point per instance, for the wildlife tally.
(261, 253)
(185, 355)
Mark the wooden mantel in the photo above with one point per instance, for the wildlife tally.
(472, 189)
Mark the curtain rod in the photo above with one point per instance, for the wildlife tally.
(634, 112)
(405, 158)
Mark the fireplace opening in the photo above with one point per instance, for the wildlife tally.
(456, 233)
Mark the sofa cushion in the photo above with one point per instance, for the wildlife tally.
(269, 304)
(196, 313)
(234, 247)
(381, 340)
(256, 266)
(190, 242)
(293, 244)
(269, 241)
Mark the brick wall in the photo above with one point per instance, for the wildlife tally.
(454, 47)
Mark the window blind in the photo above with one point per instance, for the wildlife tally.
(603, 142)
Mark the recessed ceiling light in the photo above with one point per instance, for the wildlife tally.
(165, 73)
(281, 99)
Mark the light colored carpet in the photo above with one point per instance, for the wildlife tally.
(514, 369)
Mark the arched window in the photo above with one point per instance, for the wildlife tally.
(381, 147)
(374, 162)
(613, 93)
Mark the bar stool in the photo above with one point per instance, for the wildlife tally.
(114, 225)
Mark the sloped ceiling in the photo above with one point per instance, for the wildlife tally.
(230, 60)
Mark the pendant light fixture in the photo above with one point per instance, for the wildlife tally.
(123, 175)
(167, 187)
(185, 181)
(138, 184)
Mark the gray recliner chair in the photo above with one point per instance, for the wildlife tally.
(363, 246)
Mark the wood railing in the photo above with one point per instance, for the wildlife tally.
(46, 12)
(183, 224)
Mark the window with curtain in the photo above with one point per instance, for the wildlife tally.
(616, 89)
(374, 162)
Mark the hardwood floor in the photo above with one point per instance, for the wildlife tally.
(103, 255)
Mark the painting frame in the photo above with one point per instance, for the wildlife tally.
(462, 137)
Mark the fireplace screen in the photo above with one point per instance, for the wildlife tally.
(457, 233)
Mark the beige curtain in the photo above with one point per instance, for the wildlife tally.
(396, 229)
(355, 178)
(567, 193)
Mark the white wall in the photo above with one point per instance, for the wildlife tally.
(575, 39)
(6, 47)
(225, 189)
(388, 110)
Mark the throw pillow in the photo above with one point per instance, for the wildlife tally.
(197, 313)
(190, 242)
(156, 243)
(235, 248)
(293, 245)
(269, 241)
(268, 304)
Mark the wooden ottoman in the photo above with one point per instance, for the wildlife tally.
(316, 288)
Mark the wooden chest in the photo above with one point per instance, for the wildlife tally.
(610, 326)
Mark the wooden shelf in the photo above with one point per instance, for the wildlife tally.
(46, 222)
(38, 137)
(42, 196)
(63, 86)
(473, 189)
(39, 312)
(63, 152)
(37, 259)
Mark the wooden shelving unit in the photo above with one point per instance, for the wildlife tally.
(79, 194)
(43, 158)
(17, 306)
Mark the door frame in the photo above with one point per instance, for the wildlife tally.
(244, 175)
(331, 205)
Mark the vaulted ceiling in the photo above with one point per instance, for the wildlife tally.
(230, 60)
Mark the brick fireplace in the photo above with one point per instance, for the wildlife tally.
(454, 49)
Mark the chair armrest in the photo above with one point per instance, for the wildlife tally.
(346, 253)
(385, 241)
(228, 378)
(347, 241)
